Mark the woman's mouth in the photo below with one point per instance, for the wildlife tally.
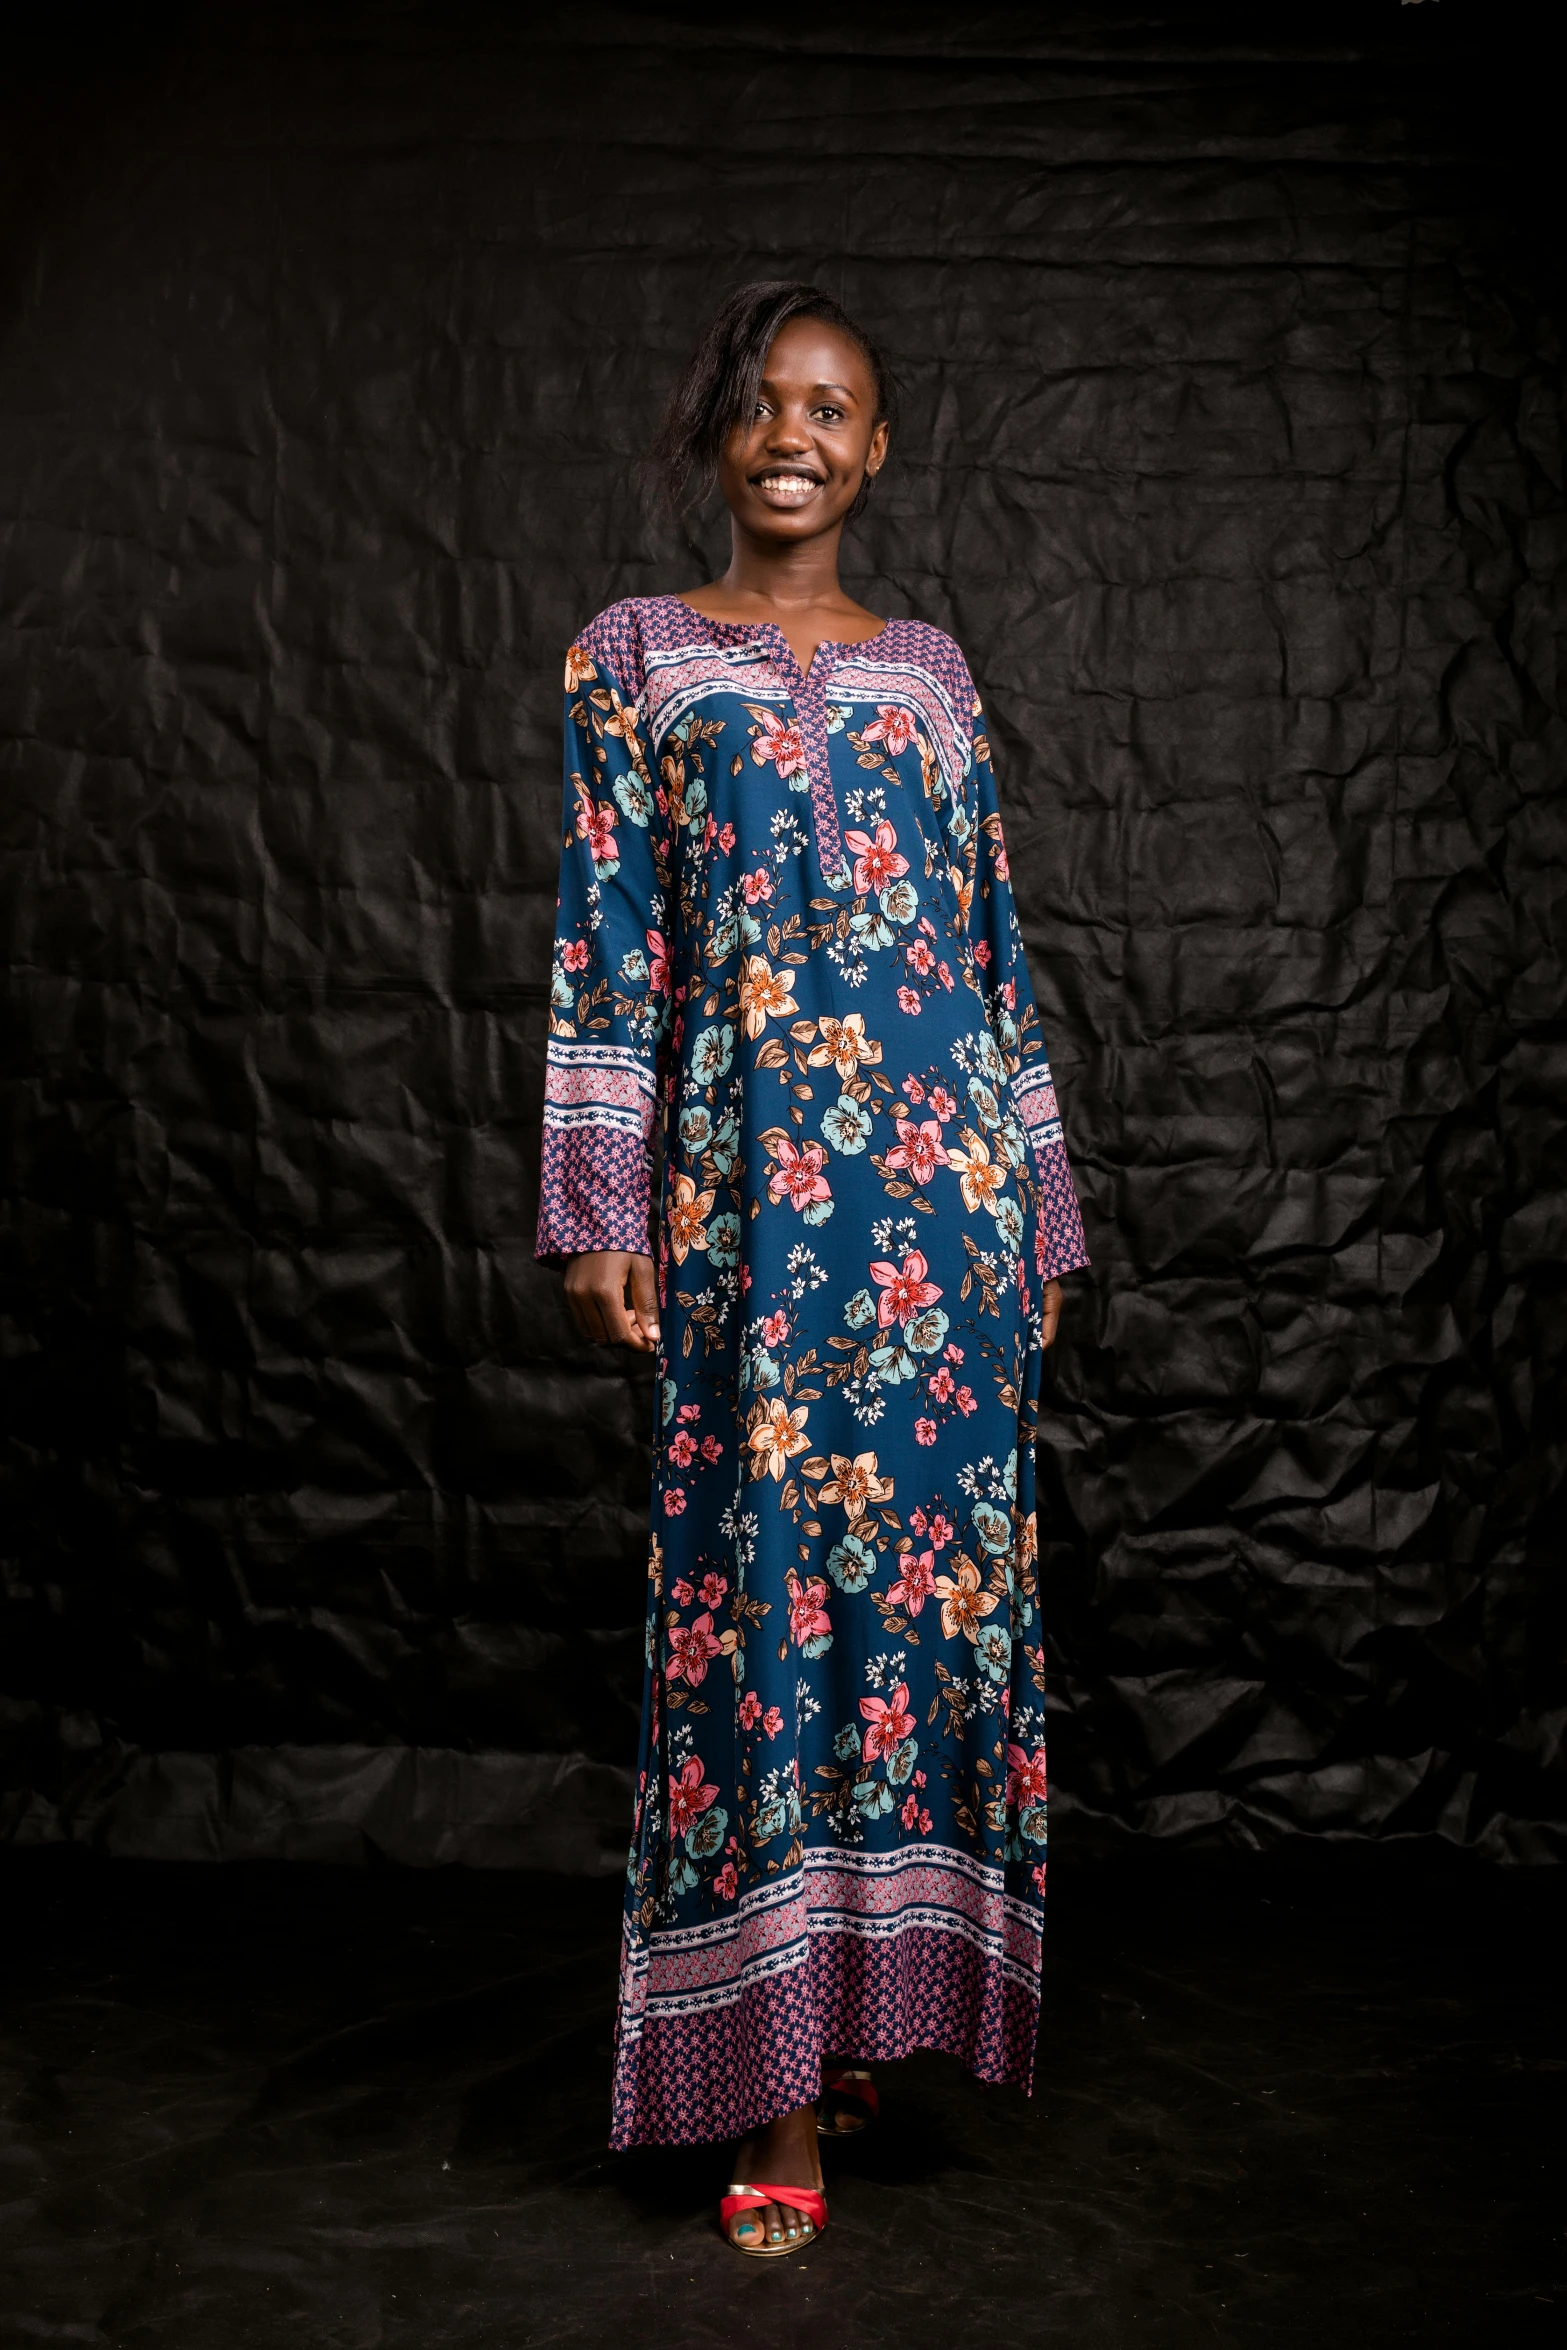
(784, 488)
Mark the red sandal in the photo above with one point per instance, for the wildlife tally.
(806, 2200)
(850, 2086)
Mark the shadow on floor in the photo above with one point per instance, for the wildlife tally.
(262, 2105)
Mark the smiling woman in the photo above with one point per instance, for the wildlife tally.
(786, 931)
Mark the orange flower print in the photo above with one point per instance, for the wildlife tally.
(980, 1178)
(687, 1214)
(963, 1605)
(765, 994)
(579, 668)
(845, 1044)
(855, 1484)
(776, 1434)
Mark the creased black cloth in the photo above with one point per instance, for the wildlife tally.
(1231, 352)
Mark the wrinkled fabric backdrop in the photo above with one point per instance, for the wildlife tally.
(1231, 453)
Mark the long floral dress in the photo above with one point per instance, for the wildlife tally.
(786, 939)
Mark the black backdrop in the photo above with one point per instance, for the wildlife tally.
(1231, 347)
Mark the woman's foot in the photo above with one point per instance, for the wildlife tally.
(781, 2155)
(848, 2102)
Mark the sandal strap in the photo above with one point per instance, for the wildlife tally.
(857, 2086)
(802, 2199)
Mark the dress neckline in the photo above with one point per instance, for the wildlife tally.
(771, 629)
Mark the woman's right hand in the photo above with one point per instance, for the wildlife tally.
(598, 1285)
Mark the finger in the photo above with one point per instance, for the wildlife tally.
(644, 1300)
(610, 1294)
(590, 1321)
(1050, 1313)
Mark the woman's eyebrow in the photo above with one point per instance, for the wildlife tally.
(845, 391)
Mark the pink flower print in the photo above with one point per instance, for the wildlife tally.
(892, 727)
(808, 1618)
(998, 857)
(574, 954)
(942, 1385)
(784, 745)
(982, 954)
(918, 1521)
(689, 1411)
(726, 1883)
(921, 957)
(674, 1501)
(966, 1403)
(1009, 995)
(757, 885)
(714, 1588)
(775, 1329)
(726, 839)
(772, 1721)
(712, 1450)
(682, 1450)
(876, 858)
(750, 1710)
(919, 1150)
(889, 1720)
(657, 963)
(1025, 1777)
(908, 1001)
(905, 1291)
(798, 1176)
(944, 974)
(913, 1088)
(1038, 1875)
(681, 1593)
(953, 1354)
(924, 1431)
(690, 1646)
(596, 824)
(942, 1103)
(941, 1532)
(916, 1583)
(689, 1796)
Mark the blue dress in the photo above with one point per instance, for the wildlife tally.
(786, 939)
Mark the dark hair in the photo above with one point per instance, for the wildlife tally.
(723, 377)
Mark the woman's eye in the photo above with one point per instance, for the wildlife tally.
(833, 415)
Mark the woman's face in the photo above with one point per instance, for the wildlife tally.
(794, 469)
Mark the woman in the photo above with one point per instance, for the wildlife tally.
(786, 933)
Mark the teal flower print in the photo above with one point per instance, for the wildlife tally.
(851, 1563)
(847, 1126)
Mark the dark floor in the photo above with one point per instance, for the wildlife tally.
(296, 2106)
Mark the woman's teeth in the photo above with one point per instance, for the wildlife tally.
(787, 485)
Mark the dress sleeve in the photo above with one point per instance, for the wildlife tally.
(1014, 1018)
(609, 981)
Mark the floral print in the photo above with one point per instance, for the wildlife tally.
(786, 941)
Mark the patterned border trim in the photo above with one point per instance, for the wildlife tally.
(1033, 1090)
(684, 2079)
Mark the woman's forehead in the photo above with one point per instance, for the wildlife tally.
(814, 350)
